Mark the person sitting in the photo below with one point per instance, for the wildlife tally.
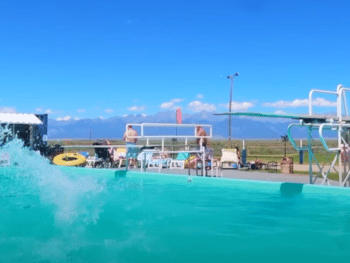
(105, 153)
(240, 163)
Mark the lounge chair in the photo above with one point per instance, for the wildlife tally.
(119, 156)
(159, 160)
(179, 162)
(145, 156)
(229, 159)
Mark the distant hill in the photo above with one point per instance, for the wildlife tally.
(242, 127)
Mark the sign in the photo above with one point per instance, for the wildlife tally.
(178, 116)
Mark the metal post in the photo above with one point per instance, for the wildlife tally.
(204, 168)
(340, 161)
(231, 77)
(31, 137)
(142, 158)
(310, 155)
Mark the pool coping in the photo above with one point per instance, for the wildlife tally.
(221, 182)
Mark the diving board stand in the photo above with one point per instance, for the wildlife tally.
(339, 122)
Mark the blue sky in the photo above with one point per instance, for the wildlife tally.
(88, 59)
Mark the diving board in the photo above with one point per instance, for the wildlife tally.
(317, 118)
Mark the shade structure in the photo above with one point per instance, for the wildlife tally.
(19, 118)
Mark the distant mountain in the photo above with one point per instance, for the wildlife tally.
(242, 127)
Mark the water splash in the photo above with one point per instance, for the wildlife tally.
(73, 198)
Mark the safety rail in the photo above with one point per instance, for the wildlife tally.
(342, 100)
(291, 140)
(143, 125)
(339, 127)
(320, 91)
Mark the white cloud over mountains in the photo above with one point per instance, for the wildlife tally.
(300, 103)
(137, 108)
(65, 118)
(170, 104)
(237, 105)
(198, 106)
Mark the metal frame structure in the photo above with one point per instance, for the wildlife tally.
(200, 152)
(339, 123)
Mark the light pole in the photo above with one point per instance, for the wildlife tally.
(284, 139)
(231, 77)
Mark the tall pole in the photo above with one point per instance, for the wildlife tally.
(231, 77)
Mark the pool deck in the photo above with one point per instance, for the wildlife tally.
(251, 175)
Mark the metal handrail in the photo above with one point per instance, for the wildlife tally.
(322, 139)
(319, 91)
(289, 134)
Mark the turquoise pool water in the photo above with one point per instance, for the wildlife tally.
(92, 215)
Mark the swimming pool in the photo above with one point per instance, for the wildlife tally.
(92, 215)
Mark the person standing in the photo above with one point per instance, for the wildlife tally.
(130, 139)
(202, 134)
(130, 136)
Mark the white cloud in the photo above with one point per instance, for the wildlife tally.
(279, 112)
(108, 110)
(125, 115)
(137, 108)
(167, 105)
(7, 110)
(170, 104)
(238, 105)
(81, 110)
(101, 117)
(300, 103)
(200, 96)
(48, 111)
(76, 118)
(144, 115)
(198, 106)
(65, 118)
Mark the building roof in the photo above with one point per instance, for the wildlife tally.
(19, 118)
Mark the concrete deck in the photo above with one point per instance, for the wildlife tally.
(249, 175)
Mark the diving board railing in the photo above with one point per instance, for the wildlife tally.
(340, 100)
(169, 125)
